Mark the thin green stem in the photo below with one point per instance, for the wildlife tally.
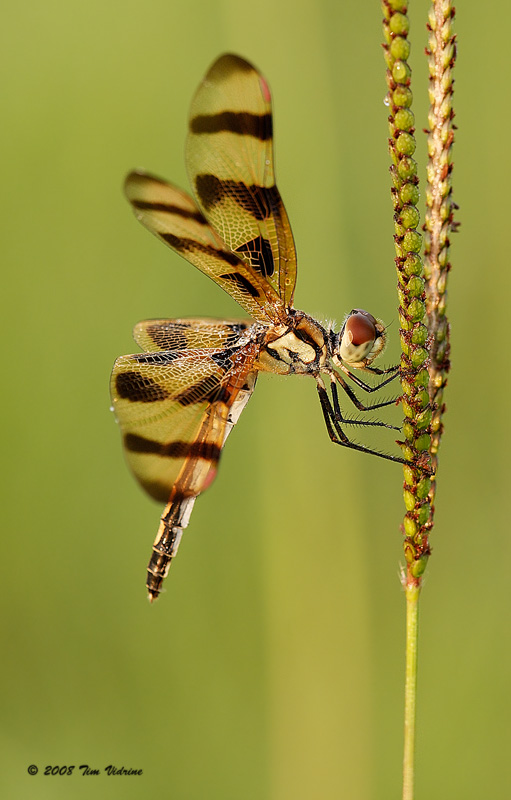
(412, 592)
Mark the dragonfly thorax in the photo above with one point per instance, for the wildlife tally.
(299, 348)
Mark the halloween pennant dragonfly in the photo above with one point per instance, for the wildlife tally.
(177, 401)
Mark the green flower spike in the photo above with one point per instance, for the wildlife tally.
(411, 283)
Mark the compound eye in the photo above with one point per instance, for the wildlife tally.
(358, 336)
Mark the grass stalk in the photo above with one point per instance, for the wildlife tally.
(412, 592)
(424, 328)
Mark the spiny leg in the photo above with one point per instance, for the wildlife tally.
(346, 421)
(378, 371)
(336, 433)
(365, 386)
(353, 397)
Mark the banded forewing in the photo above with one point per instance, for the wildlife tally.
(230, 132)
(174, 218)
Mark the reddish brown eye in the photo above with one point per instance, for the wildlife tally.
(361, 326)
(361, 339)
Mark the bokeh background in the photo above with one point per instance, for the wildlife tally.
(272, 667)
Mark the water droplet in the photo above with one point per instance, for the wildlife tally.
(386, 100)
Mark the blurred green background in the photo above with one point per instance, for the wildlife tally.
(272, 667)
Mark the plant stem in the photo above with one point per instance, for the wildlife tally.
(422, 299)
(412, 591)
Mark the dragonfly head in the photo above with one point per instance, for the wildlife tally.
(360, 341)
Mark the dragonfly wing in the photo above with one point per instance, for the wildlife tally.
(175, 410)
(163, 402)
(188, 333)
(229, 157)
(174, 218)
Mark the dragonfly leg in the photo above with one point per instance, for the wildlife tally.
(336, 433)
(374, 371)
(354, 399)
(346, 420)
(377, 371)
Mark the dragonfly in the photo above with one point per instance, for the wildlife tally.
(178, 400)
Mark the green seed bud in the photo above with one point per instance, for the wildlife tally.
(407, 451)
(412, 241)
(423, 488)
(409, 499)
(407, 168)
(423, 419)
(407, 409)
(410, 526)
(408, 431)
(410, 552)
(422, 399)
(401, 72)
(422, 378)
(409, 193)
(405, 144)
(415, 286)
(402, 96)
(418, 357)
(419, 335)
(399, 24)
(418, 567)
(398, 5)
(422, 442)
(410, 217)
(416, 310)
(407, 389)
(424, 513)
(413, 263)
(409, 474)
(400, 48)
